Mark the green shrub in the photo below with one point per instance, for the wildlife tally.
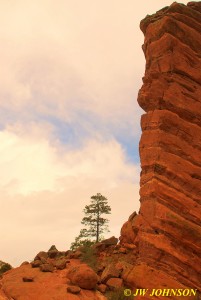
(89, 256)
(118, 295)
(5, 267)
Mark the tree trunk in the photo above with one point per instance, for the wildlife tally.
(97, 225)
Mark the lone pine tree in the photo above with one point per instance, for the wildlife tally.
(94, 221)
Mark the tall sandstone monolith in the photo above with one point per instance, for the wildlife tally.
(167, 230)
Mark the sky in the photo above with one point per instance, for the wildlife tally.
(69, 119)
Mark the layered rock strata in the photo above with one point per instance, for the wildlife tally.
(167, 230)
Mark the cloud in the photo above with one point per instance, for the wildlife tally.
(70, 74)
(31, 163)
(67, 59)
(45, 188)
(72, 59)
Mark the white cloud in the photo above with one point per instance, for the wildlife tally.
(79, 62)
(45, 188)
(30, 163)
(73, 58)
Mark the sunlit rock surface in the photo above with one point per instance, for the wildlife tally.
(167, 230)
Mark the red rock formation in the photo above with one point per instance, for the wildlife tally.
(167, 230)
(160, 246)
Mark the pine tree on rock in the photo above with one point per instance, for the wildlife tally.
(95, 224)
(93, 219)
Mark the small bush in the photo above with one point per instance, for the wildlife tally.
(4, 268)
(118, 295)
(79, 243)
(89, 257)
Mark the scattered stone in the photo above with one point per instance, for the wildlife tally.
(102, 288)
(36, 263)
(60, 264)
(53, 253)
(119, 266)
(101, 246)
(128, 234)
(28, 279)
(44, 260)
(41, 255)
(109, 272)
(129, 246)
(47, 268)
(126, 269)
(73, 289)
(111, 241)
(46, 286)
(123, 250)
(77, 254)
(114, 283)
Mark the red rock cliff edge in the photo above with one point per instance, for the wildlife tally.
(167, 230)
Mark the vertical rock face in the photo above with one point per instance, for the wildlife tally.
(167, 230)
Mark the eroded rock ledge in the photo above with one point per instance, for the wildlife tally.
(167, 230)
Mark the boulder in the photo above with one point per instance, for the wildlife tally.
(109, 272)
(124, 268)
(60, 264)
(129, 246)
(114, 283)
(41, 255)
(123, 250)
(53, 253)
(36, 263)
(111, 241)
(47, 268)
(102, 288)
(101, 246)
(73, 289)
(28, 279)
(77, 254)
(83, 276)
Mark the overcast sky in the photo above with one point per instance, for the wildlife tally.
(69, 119)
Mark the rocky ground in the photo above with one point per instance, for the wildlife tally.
(88, 273)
